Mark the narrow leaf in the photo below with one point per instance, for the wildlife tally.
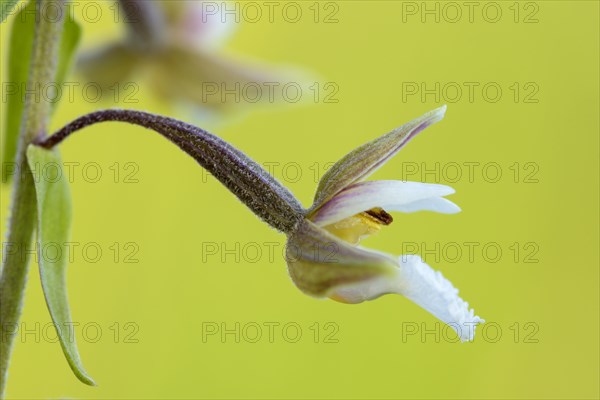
(68, 44)
(6, 7)
(19, 60)
(54, 221)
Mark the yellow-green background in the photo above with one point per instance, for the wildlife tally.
(368, 53)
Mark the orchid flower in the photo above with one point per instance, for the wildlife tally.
(346, 209)
(173, 46)
(323, 256)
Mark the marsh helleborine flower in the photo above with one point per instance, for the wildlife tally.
(323, 256)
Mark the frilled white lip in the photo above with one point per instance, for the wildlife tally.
(424, 286)
(389, 195)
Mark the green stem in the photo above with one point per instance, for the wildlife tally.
(36, 115)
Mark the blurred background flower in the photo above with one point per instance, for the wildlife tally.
(173, 46)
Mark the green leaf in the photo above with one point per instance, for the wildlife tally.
(6, 7)
(54, 220)
(19, 60)
(68, 44)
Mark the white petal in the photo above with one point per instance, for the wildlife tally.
(437, 204)
(427, 288)
(199, 24)
(210, 31)
(393, 195)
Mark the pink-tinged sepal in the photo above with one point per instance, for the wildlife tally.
(366, 159)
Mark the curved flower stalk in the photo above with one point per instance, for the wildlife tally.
(323, 256)
(254, 186)
(173, 47)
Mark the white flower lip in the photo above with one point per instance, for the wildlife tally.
(429, 289)
(389, 195)
(424, 286)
